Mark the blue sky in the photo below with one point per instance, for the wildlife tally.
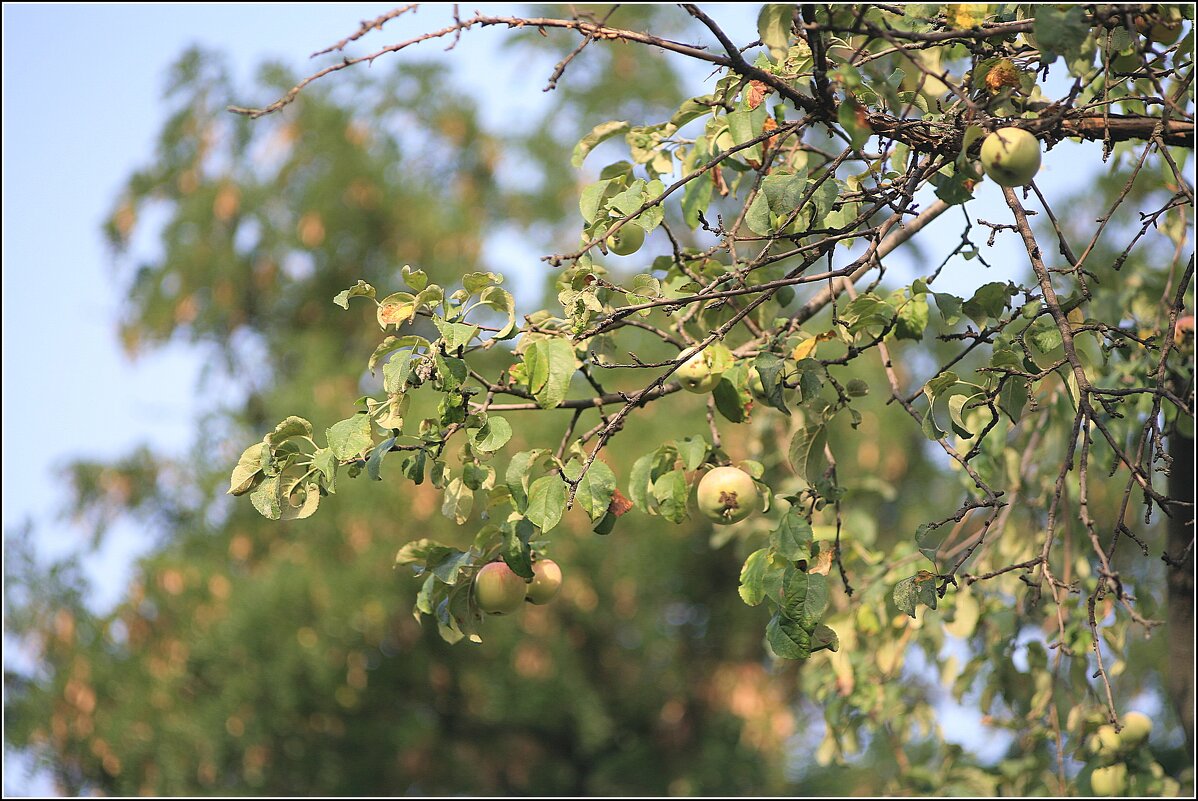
(81, 103)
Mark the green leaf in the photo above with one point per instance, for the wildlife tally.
(752, 577)
(792, 538)
(600, 133)
(475, 283)
(804, 597)
(692, 451)
(492, 436)
(421, 551)
(929, 540)
(266, 499)
(417, 279)
(451, 370)
(940, 384)
(501, 300)
(289, 428)
(954, 183)
(773, 27)
(298, 501)
(851, 116)
(350, 438)
(549, 365)
(856, 388)
(787, 639)
(360, 289)
(455, 335)
(606, 525)
(640, 479)
(824, 638)
(783, 191)
(1060, 30)
(458, 501)
(392, 344)
(807, 457)
(671, 492)
(1045, 336)
(447, 566)
(918, 589)
(396, 372)
(248, 468)
(912, 319)
(988, 302)
(590, 200)
(929, 427)
(413, 467)
(867, 311)
(958, 405)
(326, 462)
(516, 551)
(547, 501)
(759, 218)
(478, 476)
(744, 126)
(949, 307)
(375, 463)
(730, 401)
(516, 476)
(1014, 394)
(772, 371)
(596, 489)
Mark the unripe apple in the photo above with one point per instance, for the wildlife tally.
(1011, 156)
(1136, 728)
(1105, 741)
(696, 373)
(498, 590)
(727, 495)
(546, 582)
(1111, 780)
(627, 240)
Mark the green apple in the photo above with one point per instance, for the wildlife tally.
(546, 582)
(498, 590)
(1105, 741)
(696, 373)
(1011, 156)
(1111, 780)
(627, 240)
(1136, 728)
(727, 495)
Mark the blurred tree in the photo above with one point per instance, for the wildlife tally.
(259, 657)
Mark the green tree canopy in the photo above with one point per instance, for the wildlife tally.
(948, 503)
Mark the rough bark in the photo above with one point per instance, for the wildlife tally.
(1179, 677)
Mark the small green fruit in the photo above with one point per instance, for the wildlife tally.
(627, 240)
(498, 590)
(696, 373)
(1011, 156)
(1136, 728)
(546, 582)
(1111, 780)
(727, 495)
(1105, 741)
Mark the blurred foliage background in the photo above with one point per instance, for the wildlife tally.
(264, 658)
